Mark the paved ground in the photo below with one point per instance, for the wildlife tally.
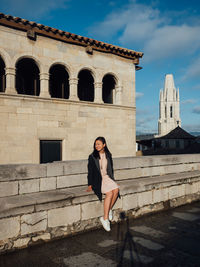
(170, 238)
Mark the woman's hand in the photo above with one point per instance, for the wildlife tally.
(89, 188)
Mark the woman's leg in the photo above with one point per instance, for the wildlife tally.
(114, 197)
(107, 204)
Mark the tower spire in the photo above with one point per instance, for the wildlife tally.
(169, 117)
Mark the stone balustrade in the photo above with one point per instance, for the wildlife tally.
(40, 202)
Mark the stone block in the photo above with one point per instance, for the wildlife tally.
(55, 169)
(34, 222)
(29, 186)
(128, 174)
(191, 188)
(71, 180)
(91, 210)
(47, 183)
(8, 189)
(63, 216)
(176, 191)
(9, 227)
(22, 171)
(21, 243)
(75, 167)
(160, 195)
(8, 212)
(129, 202)
(45, 236)
(145, 198)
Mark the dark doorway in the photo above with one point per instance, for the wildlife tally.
(50, 150)
(27, 77)
(108, 87)
(59, 82)
(85, 86)
(2, 76)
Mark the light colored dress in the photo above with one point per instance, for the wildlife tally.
(107, 183)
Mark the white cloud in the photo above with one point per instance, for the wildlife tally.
(156, 35)
(138, 95)
(193, 70)
(31, 9)
(189, 101)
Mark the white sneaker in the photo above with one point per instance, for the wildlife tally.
(105, 223)
(110, 215)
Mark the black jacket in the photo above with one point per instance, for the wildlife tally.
(94, 173)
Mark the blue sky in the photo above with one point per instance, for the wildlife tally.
(167, 31)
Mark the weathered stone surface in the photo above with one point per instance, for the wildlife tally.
(34, 222)
(71, 180)
(7, 212)
(160, 195)
(9, 227)
(21, 171)
(145, 198)
(29, 186)
(130, 202)
(47, 183)
(91, 210)
(176, 191)
(63, 216)
(8, 189)
(21, 243)
(45, 236)
(55, 169)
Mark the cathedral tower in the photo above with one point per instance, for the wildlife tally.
(169, 117)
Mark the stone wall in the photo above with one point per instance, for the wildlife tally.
(25, 120)
(42, 202)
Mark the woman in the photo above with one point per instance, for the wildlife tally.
(101, 178)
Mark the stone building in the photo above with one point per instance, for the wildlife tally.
(59, 91)
(169, 115)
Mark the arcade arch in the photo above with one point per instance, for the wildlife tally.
(2, 75)
(85, 85)
(109, 84)
(27, 77)
(59, 81)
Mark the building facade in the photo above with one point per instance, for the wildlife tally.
(59, 91)
(169, 107)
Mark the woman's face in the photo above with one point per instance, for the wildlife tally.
(99, 145)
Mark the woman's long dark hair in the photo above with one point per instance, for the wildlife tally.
(96, 153)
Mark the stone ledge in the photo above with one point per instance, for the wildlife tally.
(72, 196)
(140, 166)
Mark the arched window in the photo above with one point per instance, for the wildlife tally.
(85, 86)
(108, 87)
(27, 77)
(2, 76)
(171, 112)
(165, 112)
(59, 82)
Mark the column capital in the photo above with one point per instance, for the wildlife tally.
(11, 71)
(73, 81)
(44, 76)
(98, 84)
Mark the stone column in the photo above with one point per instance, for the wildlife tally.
(10, 81)
(98, 90)
(44, 85)
(73, 89)
(118, 95)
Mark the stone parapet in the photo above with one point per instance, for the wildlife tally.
(55, 203)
